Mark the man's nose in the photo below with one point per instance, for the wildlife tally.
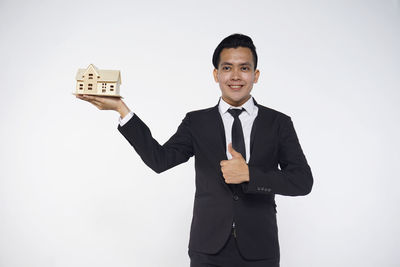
(235, 74)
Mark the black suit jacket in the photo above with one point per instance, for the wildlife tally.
(277, 165)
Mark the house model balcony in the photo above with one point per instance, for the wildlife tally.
(93, 81)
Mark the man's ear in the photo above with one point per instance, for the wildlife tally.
(215, 74)
(256, 75)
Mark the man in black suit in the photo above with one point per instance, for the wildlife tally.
(245, 153)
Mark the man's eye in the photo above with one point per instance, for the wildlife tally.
(245, 68)
(226, 68)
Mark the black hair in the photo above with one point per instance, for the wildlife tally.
(234, 41)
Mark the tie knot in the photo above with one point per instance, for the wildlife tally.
(235, 112)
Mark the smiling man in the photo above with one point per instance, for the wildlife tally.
(245, 153)
(235, 71)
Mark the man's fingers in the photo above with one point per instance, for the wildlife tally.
(233, 152)
(101, 102)
(97, 105)
(85, 98)
(230, 148)
(92, 101)
(81, 97)
(89, 97)
(95, 102)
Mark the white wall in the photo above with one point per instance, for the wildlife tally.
(74, 193)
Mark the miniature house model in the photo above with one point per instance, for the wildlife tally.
(92, 81)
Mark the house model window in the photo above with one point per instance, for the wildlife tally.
(93, 81)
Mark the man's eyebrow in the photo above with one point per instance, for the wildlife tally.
(241, 64)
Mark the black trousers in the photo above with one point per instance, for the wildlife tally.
(229, 256)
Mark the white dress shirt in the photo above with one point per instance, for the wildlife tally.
(246, 118)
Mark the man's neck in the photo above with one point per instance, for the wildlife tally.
(236, 104)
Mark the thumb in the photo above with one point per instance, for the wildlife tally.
(233, 152)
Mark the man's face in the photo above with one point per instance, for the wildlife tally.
(236, 75)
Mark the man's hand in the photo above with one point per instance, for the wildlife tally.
(235, 170)
(107, 103)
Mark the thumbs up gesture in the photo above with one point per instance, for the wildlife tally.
(235, 170)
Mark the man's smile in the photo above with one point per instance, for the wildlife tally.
(235, 87)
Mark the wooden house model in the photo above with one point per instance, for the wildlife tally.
(93, 81)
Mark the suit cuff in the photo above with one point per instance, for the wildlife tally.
(257, 183)
(124, 120)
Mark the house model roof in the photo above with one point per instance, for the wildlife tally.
(104, 75)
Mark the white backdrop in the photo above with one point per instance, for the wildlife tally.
(74, 193)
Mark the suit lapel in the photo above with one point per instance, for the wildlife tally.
(254, 129)
(215, 122)
(219, 125)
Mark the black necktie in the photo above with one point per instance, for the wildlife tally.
(237, 132)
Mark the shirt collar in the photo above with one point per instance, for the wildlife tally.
(248, 106)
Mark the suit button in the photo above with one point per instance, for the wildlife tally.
(235, 197)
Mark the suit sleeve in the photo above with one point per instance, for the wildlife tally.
(176, 150)
(294, 178)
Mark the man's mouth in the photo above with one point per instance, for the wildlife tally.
(235, 87)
